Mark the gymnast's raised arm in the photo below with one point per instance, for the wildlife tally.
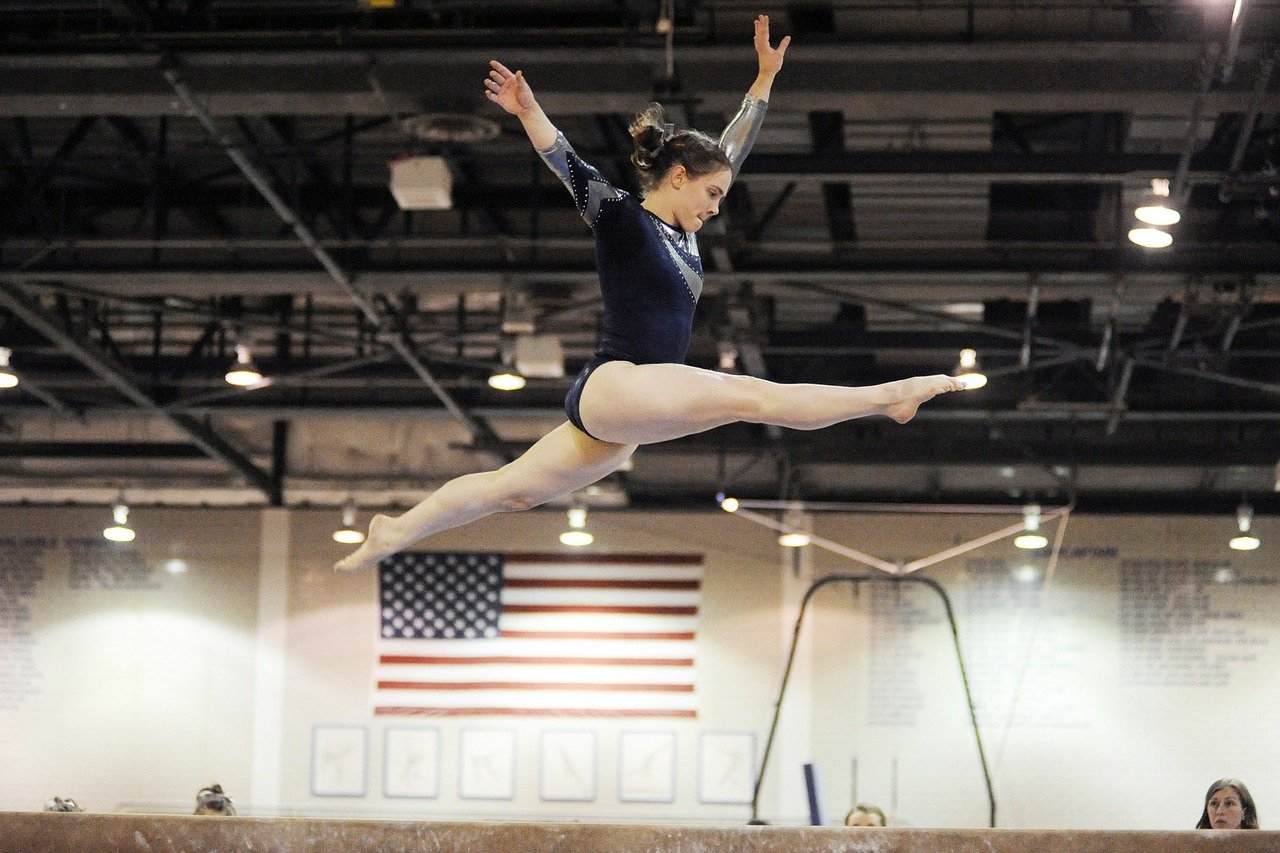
(740, 134)
(511, 92)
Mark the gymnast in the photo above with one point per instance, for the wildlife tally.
(636, 390)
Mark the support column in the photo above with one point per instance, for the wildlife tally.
(795, 727)
(269, 656)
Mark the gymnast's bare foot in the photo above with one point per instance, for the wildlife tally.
(910, 393)
(375, 547)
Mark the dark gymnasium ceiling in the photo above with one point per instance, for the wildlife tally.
(931, 176)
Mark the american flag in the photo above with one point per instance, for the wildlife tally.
(526, 634)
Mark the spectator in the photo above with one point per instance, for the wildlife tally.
(865, 815)
(211, 800)
(1228, 805)
(57, 804)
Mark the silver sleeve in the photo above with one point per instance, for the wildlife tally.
(740, 135)
(557, 159)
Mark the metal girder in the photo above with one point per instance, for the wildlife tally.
(99, 450)
(937, 286)
(920, 82)
(209, 442)
(1118, 502)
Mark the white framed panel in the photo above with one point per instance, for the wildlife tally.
(487, 764)
(647, 767)
(567, 771)
(339, 761)
(726, 767)
(411, 762)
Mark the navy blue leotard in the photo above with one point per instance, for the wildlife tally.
(650, 272)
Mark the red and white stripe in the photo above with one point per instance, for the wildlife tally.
(582, 635)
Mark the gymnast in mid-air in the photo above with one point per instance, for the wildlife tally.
(637, 390)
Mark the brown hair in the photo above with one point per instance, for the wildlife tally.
(874, 811)
(1250, 819)
(212, 800)
(659, 148)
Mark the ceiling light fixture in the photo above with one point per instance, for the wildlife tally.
(1246, 541)
(796, 523)
(577, 536)
(119, 531)
(8, 379)
(968, 371)
(505, 380)
(349, 534)
(1150, 238)
(1156, 210)
(244, 372)
(1032, 539)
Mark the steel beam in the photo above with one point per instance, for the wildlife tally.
(912, 82)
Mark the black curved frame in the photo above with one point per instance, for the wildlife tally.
(791, 656)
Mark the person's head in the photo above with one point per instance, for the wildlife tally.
(687, 168)
(1228, 805)
(57, 804)
(864, 815)
(211, 800)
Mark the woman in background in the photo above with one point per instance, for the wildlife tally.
(1228, 805)
(864, 814)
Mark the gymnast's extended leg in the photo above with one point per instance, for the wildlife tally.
(626, 405)
(562, 461)
(640, 404)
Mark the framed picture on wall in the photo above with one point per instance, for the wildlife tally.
(411, 762)
(726, 767)
(339, 761)
(487, 764)
(647, 767)
(568, 767)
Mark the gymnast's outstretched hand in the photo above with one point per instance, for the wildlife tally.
(770, 57)
(509, 90)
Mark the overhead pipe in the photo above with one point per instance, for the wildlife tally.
(1204, 81)
(1233, 41)
(1265, 68)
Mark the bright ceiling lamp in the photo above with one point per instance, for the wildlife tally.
(505, 380)
(577, 536)
(244, 372)
(348, 533)
(729, 504)
(1155, 209)
(1151, 238)
(795, 522)
(1246, 541)
(119, 531)
(8, 379)
(1031, 539)
(968, 371)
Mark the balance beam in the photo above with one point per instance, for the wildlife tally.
(21, 832)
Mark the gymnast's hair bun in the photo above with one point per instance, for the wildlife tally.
(649, 131)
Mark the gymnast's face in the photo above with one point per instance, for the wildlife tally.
(695, 200)
(1225, 809)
